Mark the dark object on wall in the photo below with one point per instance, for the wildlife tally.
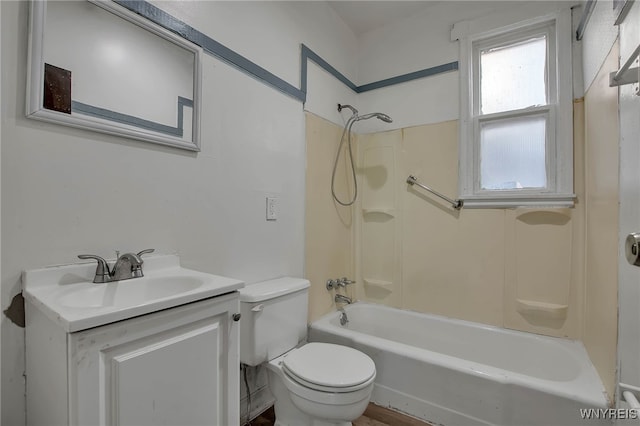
(15, 311)
(57, 89)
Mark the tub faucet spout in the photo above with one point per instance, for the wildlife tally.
(343, 317)
(340, 298)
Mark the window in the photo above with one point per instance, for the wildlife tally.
(516, 119)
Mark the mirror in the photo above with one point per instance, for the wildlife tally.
(98, 66)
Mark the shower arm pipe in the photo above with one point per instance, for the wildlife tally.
(353, 110)
(456, 204)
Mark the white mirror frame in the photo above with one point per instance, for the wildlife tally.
(35, 81)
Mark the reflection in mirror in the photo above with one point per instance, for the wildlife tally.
(96, 65)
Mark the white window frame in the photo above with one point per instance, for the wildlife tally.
(505, 29)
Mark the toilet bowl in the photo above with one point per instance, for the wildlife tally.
(321, 384)
(314, 384)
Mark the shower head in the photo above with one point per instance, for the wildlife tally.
(355, 117)
(378, 115)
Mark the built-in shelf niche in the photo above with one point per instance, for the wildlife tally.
(377, 283)
(539, 280)
(383, 211)
(543, 309)
(379, 240)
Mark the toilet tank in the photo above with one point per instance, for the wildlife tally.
(274, 318)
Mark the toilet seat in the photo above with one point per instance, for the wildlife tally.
(337, 399)
(329, 368)
(328, 389)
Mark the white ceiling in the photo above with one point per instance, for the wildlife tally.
(363, 16)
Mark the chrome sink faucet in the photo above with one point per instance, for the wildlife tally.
(127, 266)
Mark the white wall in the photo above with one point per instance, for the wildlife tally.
(270, 33)
(415, 43)
(407, 45)
(412, 44)
(598, 38)
(67, 191)
(325, 92)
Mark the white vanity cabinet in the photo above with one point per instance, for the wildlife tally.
(177, 366)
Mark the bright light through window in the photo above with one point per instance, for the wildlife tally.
(513, 76)
(512, 153)
(516, 134)
(513, 150)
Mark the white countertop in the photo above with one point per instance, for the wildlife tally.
(67, 295)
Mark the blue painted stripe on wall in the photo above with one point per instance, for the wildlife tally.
(118, 117)
(303, 69)
(218, 50)
(209, 45)
(310, 54)
(451, 66)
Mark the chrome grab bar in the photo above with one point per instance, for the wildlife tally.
(456, 204)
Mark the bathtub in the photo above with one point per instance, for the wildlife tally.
(454, 372)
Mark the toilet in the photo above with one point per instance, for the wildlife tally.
(314, 384)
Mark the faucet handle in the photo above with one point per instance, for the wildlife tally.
(331, 284)
(344, 281)
(136, 270)
(146, 251)
(103, 275)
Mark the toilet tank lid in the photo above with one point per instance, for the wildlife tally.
(266, 290)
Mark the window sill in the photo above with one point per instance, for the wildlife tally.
(510, 202)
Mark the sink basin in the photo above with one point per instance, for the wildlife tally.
(134, 291)
(67, 295)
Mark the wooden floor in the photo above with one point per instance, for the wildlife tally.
(373, 416)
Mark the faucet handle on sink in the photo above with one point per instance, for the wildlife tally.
(103, 275)
(146, 251)
(136, 271)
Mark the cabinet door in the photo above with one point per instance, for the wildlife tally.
(175, 367)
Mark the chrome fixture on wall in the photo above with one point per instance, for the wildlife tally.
(456, 204)
(338, 282)
(347, 130)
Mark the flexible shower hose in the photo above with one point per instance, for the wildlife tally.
(347, 130)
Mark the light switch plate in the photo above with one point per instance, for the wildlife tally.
(272, 208)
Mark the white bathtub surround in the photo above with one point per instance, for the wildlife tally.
(451, 372)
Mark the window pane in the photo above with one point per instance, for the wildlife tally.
(512, 153)
(513, 76)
